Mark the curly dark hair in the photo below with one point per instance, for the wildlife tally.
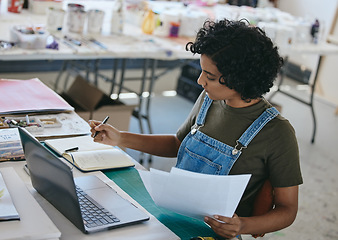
(244, 55)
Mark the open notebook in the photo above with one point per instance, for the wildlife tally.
(89, 155)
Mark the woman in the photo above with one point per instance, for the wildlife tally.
(232, 129)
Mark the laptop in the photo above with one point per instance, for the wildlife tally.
(54, 180)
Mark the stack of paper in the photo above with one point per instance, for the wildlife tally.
(34, 222)
(29, 96)
(194, 194)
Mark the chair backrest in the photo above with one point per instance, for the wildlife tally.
(264, 202)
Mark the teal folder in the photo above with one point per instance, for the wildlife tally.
(185, 227)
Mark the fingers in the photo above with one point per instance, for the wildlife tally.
(224, 226)
(95, 126)
(100, 137)
(93, 123)
(99, 127)
(98, 131)
(104, 133)
(217, 220)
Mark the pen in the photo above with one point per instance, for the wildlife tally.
(65, 42)
(103, 122)
(98, 43)
(69, 45)
(74, 41)
(72, 149)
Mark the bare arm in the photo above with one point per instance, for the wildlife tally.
(160, 145)
(282, 216)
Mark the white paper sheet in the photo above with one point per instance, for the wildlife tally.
(194, 194)
(7, 208)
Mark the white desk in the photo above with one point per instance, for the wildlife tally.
(34, 222)
(148, 230)
(133, 44)
(72, 124)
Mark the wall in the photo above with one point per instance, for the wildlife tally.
(325, 11)
(328, 73)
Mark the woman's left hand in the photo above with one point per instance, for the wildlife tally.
(282, 216)
(225, 226)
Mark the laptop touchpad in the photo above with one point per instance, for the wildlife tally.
(108, 198)
(89, 182)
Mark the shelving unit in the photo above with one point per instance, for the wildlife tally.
(187, 85)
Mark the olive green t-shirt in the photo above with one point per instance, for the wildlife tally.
(272, 154)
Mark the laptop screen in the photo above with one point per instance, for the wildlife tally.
(52, 178)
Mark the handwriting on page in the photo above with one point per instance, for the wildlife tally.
(101, 158)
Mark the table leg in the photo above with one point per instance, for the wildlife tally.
(113, 79)
(123, 69)
(62, 70)
(139, 113)
(313, 86)
(95, 71)
(151, 86)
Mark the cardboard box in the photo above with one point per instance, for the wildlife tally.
(91, 103)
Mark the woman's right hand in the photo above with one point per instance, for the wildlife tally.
(107, 133)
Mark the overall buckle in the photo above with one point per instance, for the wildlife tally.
(235, 150)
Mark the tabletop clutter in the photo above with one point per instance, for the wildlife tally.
(71, 22)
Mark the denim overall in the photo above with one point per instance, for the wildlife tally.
(201, 153)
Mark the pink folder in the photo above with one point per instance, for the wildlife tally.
(29, 96)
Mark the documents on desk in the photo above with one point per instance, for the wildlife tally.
(7, 208)
(24, 101)
(34, 222)
(71, 125)
(55, 125)
(194, 194)
(89, 155)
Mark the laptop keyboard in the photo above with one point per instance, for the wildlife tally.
(93, 214)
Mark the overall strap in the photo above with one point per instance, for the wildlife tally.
(203, 111)
(257, 125)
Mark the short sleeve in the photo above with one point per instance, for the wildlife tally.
(283, 160)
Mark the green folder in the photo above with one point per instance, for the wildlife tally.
(185, 227)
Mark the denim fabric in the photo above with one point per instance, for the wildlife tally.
(200, 153)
